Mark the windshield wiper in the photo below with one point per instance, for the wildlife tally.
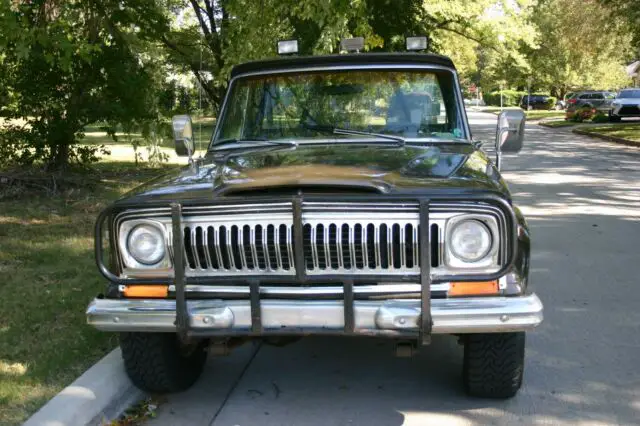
(254, 141)
(398, 139)
(339, 131)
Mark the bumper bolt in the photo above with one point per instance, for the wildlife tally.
(206, 320)
(504, 318)
(116, 319)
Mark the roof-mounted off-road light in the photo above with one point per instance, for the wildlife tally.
(350, 45)
(417, 43)
(287, 47)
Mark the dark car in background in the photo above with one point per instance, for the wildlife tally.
(529, 102)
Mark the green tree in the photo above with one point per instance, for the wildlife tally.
(66, 64)
(629, 11)
(581, 45)
(214, 35)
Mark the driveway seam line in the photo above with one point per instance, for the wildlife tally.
(235, 385)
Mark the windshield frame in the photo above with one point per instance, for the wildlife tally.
(460, 110)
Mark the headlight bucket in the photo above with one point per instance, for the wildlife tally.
(472, 243)
(470, 240)
(143, 246)
(145, 243)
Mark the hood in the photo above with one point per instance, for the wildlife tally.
(344, 168)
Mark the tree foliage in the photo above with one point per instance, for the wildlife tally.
(580, 46)
(66, 64)
(214, 35)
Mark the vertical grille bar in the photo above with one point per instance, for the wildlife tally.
(365, 252)
(218, 247)
(425, 275)
(403, 252)
(390, 246)
(205, 246)
(376, 243)
(232, 261)
(194, 248)
(265, 248)
(352, 247)
(327, 252)
(254, 251)
(314, 248)
(298, 256)
(276, 233)
(243, 258)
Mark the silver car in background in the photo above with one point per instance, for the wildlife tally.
(626, 104)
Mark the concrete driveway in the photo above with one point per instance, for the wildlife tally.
(582, 199)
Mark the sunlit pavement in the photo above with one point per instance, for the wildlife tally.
(582, 199)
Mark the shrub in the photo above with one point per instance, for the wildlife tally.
(509, 98)
(551, 102)
(581, 114)
(599, 117)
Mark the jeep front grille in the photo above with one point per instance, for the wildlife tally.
(338, 238)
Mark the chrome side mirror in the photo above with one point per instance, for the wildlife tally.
(509, 133)
(183, 135)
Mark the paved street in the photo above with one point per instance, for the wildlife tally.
(582, 199)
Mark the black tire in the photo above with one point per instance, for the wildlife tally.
(614, 118)
(159, 363)
(493, 364)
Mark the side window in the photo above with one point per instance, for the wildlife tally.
(587, 96)
(597, 96)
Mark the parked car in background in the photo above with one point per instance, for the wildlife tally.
(626, 104)
(562, 103)
(529, 102)
(598, 100)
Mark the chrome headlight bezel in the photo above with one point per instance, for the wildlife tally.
(131, 266)
(489, 262)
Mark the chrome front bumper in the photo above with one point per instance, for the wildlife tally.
(222, 317)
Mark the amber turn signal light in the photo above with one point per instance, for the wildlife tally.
(148, 291)
(473, 288)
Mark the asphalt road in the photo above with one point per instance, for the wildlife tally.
(582, 199)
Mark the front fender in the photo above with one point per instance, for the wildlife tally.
(523, 254)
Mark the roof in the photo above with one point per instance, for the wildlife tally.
(400, 58)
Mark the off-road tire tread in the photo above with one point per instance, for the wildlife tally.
(154, 363)
(494, 364)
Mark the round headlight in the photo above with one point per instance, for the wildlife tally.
(146, 244)
(470, 240)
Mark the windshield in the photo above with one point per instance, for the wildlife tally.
(309, 106)
(629, 94)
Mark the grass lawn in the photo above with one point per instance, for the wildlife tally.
(531, 115)
(202, 131)
(625, 131)
(48, 278)
(538, 114)
(559, 123)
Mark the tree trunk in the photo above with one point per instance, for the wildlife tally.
(60, 156)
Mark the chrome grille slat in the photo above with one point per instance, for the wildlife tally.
(217, 247)
(365, 252)
(205, 240)
(339, 245)
(254, 250)
(276, 240)
(314, 248)
(265, 249)
(232, 261)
